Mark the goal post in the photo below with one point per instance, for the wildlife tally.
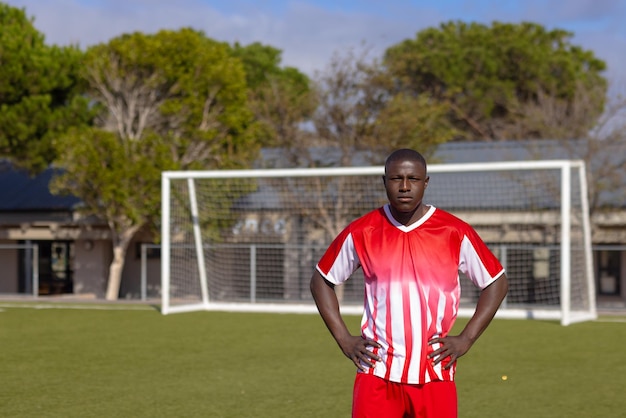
(248, 240)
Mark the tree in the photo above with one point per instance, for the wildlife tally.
(172, 100)
(117, 181)
(181, 85)
(358, 119)
(605, 155)
(494, 78)
(603, 149)
(280, 98)
(40, 92)
(362, 113)
(361, 108)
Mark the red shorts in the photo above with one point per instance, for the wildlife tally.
(374, 397)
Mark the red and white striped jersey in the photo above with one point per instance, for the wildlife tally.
(412, 287)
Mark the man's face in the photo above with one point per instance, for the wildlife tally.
(405, 182)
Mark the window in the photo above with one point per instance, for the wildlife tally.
(608, 272)
(153, 251)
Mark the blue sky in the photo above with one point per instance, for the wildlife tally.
(310, 31)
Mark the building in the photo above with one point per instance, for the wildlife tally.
(74, 252)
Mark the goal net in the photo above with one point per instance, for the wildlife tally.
(250, 239)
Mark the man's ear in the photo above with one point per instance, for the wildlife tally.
(383, 177)
(426, 182)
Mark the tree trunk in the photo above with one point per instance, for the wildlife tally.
(121, 242)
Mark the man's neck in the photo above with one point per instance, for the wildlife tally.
(409, 218)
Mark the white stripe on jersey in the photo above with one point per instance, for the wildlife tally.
(416, 321)
(397, 328)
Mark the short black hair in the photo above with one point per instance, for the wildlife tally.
(405, 154)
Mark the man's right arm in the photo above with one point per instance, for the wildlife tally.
(354, 347)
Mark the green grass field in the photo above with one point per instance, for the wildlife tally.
(130, 361)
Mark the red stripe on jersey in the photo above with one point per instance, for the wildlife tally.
(408, 336)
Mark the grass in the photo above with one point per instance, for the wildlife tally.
(138, 363)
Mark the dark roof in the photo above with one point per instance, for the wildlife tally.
(21, 191)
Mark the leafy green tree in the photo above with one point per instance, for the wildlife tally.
(496, 79)
(260, 62)
(280, 98)
(172, 100)
(115, 180)
(40, 91)
(181, 85)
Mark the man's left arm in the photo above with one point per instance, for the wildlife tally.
(488, 303)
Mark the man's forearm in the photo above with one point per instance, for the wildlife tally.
(328, 307)
(488, 303)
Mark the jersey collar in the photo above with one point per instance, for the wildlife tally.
(407, 228)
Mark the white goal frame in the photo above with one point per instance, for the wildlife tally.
(564, 313)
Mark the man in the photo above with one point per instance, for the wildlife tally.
(411, 255)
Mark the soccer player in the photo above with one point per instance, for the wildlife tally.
(411, 254)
